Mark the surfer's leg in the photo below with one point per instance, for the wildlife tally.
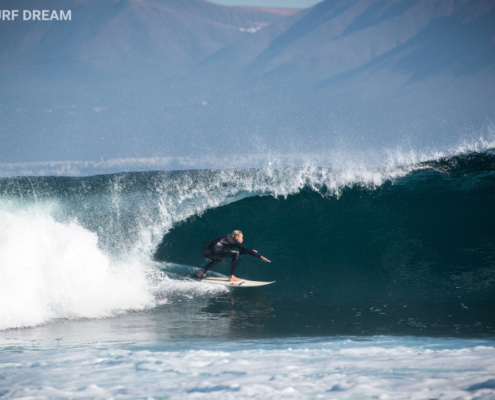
(210, 265)
(235, 260)
(235, 254)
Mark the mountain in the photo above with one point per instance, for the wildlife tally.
(157, 78)
(104, 36)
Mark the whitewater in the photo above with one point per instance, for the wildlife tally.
(383, 368)
(385, 274)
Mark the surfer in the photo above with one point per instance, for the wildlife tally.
(221, 247)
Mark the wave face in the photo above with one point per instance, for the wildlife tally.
(400, 249)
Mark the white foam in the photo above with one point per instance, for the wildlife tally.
(333, 370)
(52, 270)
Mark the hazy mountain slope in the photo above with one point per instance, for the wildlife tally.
(141, 78)
(340, 36)
(108, 36)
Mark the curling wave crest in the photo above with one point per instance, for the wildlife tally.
(91, 255)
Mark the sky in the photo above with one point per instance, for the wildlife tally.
(269, 3)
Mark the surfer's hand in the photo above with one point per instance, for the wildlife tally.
(265, 259)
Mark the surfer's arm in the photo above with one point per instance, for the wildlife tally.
(245, 250)
(254, 253)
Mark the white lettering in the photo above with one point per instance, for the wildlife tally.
(36, 15)
(65, 16)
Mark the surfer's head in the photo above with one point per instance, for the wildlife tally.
(237, 235)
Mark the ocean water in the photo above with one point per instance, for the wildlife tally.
(385, 278)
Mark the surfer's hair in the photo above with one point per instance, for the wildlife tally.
(235, 233)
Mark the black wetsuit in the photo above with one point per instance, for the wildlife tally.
(223, 246)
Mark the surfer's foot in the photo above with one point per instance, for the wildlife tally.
(200, 276)
(234, 278)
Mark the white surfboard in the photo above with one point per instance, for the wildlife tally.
(241, 283)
